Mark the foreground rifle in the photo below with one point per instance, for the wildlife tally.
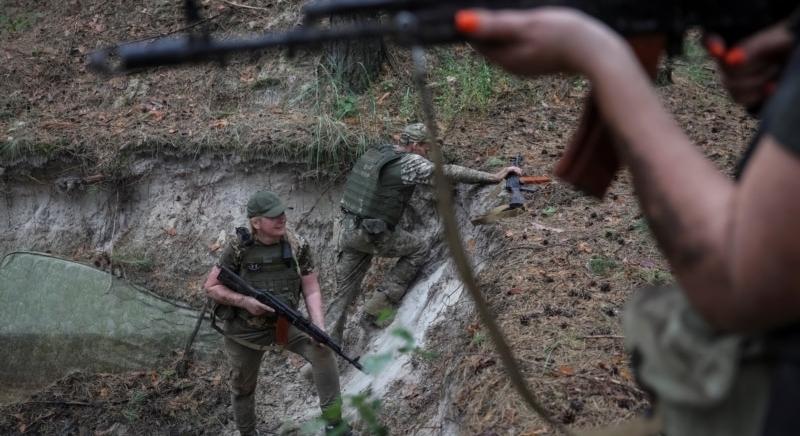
(589, 162)
(237, 284)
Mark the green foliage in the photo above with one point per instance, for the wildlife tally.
(132, 411)
(549, 211)
(137, 261)
(369, 410)
(385, 315)
(375, 363)
(13, 147)
(655, 276)
(345, 106)
(368, 407)
(641, 226)
(410, 105)
(694, 62)
(495, 162)
(19, 23)
(479, 338)
(601, 266)
(464, 83)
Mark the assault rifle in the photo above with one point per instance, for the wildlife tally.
(589, 163)
(514, 186)
(232, 280)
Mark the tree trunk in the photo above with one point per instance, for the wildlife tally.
(355, 64)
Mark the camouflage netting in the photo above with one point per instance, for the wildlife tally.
(59, 316)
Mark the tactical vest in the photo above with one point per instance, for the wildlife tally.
(272, 267)
(370, 194)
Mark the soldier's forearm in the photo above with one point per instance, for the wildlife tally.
(312, 294)
(223, 295)
(459, 174)
(314, 306)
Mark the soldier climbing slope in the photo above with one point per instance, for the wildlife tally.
(376, 194)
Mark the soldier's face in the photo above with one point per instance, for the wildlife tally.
(420, 148)
(271, 227)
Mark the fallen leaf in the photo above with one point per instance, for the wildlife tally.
(219, 124)
(566, 370)
(515, 291)
(383, 97)
(157, 115)
(171, 231)
(625, 373)
(584, 247)
(214, 247)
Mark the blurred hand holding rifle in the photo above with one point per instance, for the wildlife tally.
(589, 162)
(235, 283)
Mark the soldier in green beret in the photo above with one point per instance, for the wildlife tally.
(270, 257)
(376, 193)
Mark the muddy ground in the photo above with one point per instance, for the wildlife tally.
(557, 276)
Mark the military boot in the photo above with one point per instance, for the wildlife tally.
(378, 310)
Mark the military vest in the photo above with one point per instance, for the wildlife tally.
(272, 267)
(371, 192)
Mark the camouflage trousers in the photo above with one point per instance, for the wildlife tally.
(357, 247)
(246, 361)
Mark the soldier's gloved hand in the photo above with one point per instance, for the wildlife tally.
(502, 174)
(255, 307)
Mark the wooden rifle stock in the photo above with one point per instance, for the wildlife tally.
(590, 161)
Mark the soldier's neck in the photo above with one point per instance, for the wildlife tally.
(267, 240)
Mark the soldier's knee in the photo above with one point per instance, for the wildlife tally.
(242, 384)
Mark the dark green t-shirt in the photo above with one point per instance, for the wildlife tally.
(783, 111)
(781, 115)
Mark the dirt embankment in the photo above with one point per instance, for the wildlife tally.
(150, 169)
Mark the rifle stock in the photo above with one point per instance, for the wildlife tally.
(237, 284)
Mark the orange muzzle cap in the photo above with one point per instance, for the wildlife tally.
(467, 21)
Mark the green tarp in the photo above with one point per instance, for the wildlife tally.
(57, 316)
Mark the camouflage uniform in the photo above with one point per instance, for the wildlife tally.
(247, 337)
(394, 175)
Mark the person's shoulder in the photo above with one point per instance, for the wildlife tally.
(413, 160)
(235, 243)
(296, 241)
